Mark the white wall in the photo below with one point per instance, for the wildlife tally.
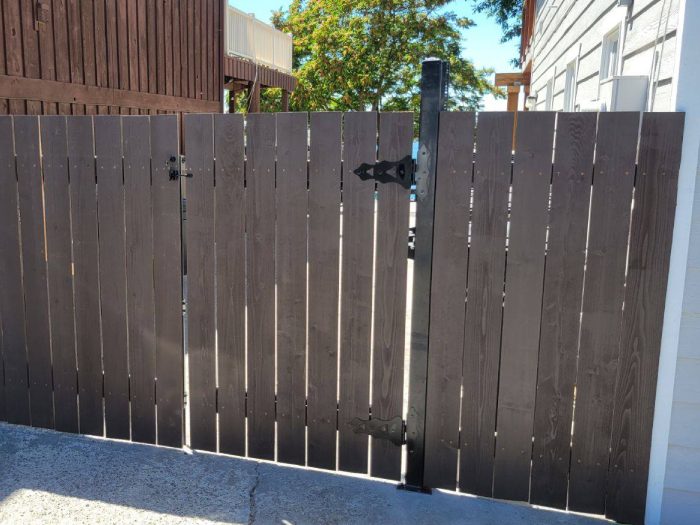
(573, 30)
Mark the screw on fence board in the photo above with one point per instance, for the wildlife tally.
(434, 93)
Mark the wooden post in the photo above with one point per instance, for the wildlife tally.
(513, 92)
(254, 96)
(285, 100)
(231, 100)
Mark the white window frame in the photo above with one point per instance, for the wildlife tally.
(608, 68)
(549, 95)
(570, 81)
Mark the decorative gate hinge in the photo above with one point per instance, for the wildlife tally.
(402, 171)
(178, 169)
(393, 429)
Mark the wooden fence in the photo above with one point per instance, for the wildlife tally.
(547, 298)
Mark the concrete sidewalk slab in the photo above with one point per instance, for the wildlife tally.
(49, 477)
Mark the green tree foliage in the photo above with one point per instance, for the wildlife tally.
(366, 54)
(508, 14)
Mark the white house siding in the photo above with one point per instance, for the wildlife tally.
(569, 30)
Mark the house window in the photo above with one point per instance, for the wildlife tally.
(548, 95)
(611, 54)
(570, 87)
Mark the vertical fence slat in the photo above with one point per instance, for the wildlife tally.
(86, 280)
(395, 141)
(484, 310)
(60, 272)
(645, 294)
(324, 228)
(199, 228)
(532, 170)
(12, 298)
(359, 146)
(167, 282)
(449, 287)
(31, 211)
(613, 179)
(292, 202)
(230, 280)
(260, 215)
(139, 276)
(561, 307)
(110, 214)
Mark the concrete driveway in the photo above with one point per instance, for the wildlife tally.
(49, 477)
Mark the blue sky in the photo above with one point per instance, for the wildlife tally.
(481, 43)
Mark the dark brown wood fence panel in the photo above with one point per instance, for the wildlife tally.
(110, 214)
(323, 257)
(484, 310)
(292, 204)
(230, 280)
(448, 289)
(359, 147)
(395, 141)
(167, 281)
(86, 280)
(613, 180)
(532, 169)
(31, 212)
(12, 298)
(260, 224)
(139, 276)
(561, 307)
(199, 229)
(60, 262)
(645, 301)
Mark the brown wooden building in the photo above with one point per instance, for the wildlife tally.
(121, 56)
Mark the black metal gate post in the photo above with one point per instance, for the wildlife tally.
(434, 86)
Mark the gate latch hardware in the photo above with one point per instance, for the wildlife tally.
(178, 169)
(393, 429)
(380, 172)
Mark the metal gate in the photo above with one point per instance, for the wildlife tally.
(538, 287)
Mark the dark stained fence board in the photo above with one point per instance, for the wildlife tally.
(167, 282)
(645, 300)
(31, 211)
(484, 310)
(561, 307)
(292, 203)
(613, 180)
(359, 146)
(110, 214)
(230, 280)
(523, 301)
(199, 229)
(323, 256)
(448, 290)
(395, 142)
(260, 223)
(14, 351)
(83, 199)
(139, 276)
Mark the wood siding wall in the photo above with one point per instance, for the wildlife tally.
(102, 56)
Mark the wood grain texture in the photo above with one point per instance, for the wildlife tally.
(613, 181)
(448, 295)
(14, 352)
(290, 254)
(230, 280)
(199, 231)
(532, 170)
(139, 276)
(260, 224)
(645, 299)
(561, 307)
(83, 200)
(34, 279)
(110, 214)
(484, 310)
(395, 142)
(167, 282)
(323, 256)
(359, 147)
